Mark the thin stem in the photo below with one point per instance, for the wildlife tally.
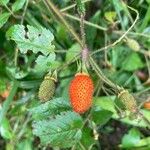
(132, 33)
(102, 76)
(66, 64)
(24, 12)
(105, 51)
(23, 128)
(145, 119)
(51, 6)
(82, 30)
(16, 56)
(148, 65)
(82, 146)
(10, 11)
(73, 5)
(86, 22)
(120, 39)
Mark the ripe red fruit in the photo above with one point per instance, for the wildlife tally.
(81, 92)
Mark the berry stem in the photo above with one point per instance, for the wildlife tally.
(102, 76)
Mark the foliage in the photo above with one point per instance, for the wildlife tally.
(37, 38)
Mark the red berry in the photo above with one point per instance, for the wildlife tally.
(81, 92)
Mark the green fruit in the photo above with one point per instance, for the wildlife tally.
(128, 100)
(47, 89)
(133, 44)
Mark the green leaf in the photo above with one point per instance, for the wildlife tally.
(37, 40)
(16, 72)
(4, 2)
(5, 129)
(144, 142)
(117, 5)
(131, 139)
(3, 18)
(74, 50)
(87, 137)
(51, 107)
(43, 63)
(101, 117)
(18, 5)
(105, 103)
(25, 144)
(63, 131)
(132, 62)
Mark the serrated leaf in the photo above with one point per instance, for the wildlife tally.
(52, 107)
(63, 131)
(43, 63)
(3, 18)
(3, 2)
(37, 40)
(132, 62)
(131, 139)
(18, 5)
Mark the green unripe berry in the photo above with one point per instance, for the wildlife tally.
(133, 44)
(47, 88)
(128, 100)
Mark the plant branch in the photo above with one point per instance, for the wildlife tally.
(24, 12)
(73, 5)
(51, 6)
(102, 76)
(122, 37)
(86, 22)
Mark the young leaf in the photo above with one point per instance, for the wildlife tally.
(18, 5)
(3, 18)
(52, 107)
(4, 2)
(37, 40)
(63, 131)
